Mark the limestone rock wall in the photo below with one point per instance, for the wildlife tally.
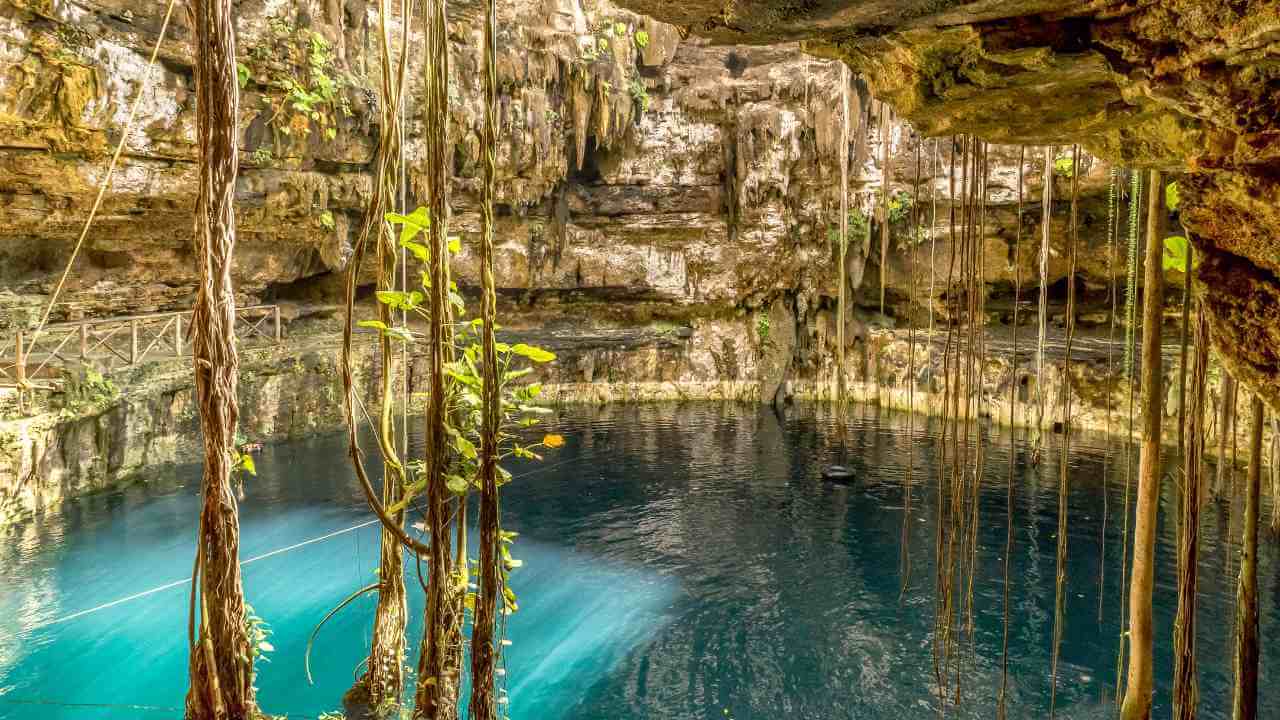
(1183, 85)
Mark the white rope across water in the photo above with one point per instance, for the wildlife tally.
(184, 581)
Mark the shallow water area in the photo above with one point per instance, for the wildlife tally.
(680, 561)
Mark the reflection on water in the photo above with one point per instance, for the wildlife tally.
(680, 562)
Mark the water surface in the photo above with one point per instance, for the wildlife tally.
(681, 561)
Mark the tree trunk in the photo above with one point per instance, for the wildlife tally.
(435, 697)
(383, 680)
(221, 662)
(1137, 700)
(1185, 685)
(1245, 701)
(484, 651)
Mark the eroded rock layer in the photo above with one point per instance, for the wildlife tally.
(1174, 84)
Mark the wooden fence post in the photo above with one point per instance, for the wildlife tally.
(133, 342)
(275, 314)
(177, 335)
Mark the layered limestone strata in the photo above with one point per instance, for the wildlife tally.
(1183, 85)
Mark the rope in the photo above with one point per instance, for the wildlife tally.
(106, 181)
(184, 581)
(122, 706)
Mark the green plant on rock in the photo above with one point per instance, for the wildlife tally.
(900, 206)
(1063, 166)
(640, 94)
(262, 156)
(1172, 196)
(642, 39)
(762, 329)
(859, 226)
(326, 220)
(300, 65)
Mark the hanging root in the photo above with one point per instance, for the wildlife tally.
(1113, 246)
(1245, 698)
(436, 695)
(311, 639)
(1064, 462)
(485, 653)
(1185, 690)
(1138, 690)
(1002, 705)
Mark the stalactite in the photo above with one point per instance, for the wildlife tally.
(484, 651)
(221, 659)
(933, 237)
(1045, 227)
(842, 310)
(1185, 687)
(885, 189)
(1245, 697)
(1064, 461)
(1137, 699)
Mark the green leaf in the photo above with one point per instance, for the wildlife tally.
(413, 224)
(1172, 197)
(1176, 250)
(465, 447)
(399, 300)
(455, 245)
(419, 250)
(456, 484)
(516, 374)
(536, 354)
(399, 334)
(246, 464)
(373, 324)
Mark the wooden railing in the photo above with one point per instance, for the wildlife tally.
(125, 340)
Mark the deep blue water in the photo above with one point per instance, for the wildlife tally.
(680, 562)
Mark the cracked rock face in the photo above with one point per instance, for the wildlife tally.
(645, 175)
(1182, 85)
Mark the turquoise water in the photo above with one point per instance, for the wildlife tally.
(680, 562)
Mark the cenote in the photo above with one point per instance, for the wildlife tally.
(639, 359)
(680, 561)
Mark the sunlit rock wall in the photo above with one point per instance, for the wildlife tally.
(1181, 85)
